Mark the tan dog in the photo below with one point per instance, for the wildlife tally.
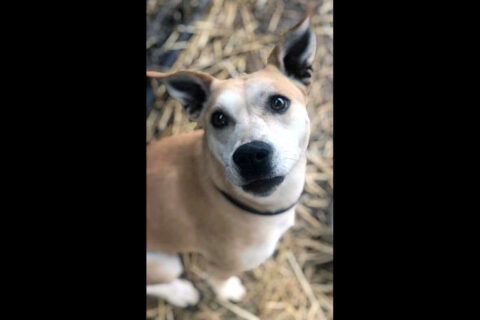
(229, 191)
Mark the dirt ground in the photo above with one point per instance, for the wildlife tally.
(225, 38)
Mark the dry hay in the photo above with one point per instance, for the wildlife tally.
(228, 38)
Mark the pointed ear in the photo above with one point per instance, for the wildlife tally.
(190, 88)
(294, 54)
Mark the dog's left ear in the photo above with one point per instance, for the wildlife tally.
(294, 54)
(191, 88)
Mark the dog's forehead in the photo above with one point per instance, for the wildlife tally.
(230, 95)
(270, 80)
(256, 86)
(228, 91)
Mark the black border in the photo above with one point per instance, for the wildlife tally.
(391, 211)
(85, 162)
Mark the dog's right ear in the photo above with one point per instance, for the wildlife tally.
(191, 88)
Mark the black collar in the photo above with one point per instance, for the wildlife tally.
(252, 210)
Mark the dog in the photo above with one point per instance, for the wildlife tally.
(229, 191)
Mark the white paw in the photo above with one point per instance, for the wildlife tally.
(179, 292)
(231, 289)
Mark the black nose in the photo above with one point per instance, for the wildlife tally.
(253, 159)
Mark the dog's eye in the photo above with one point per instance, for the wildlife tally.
(219, 119)
(279, 104)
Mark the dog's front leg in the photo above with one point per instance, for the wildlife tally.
(163, 272)
(224, 282)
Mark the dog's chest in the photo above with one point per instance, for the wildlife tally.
(266, 239)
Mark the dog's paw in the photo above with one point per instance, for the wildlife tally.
(179, 292)
(183, 294)
(231, 289)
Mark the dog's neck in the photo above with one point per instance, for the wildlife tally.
(285, 196)
(246, 208)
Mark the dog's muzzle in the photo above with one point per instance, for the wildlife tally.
(254, 163)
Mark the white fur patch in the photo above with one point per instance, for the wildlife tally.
(228, 100)
(255, 255)
(168, 264)
(179, 292)
(231, 289)
(221, 141)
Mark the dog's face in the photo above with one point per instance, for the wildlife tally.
(256, 125)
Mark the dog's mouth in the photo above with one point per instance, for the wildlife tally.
(263, 187)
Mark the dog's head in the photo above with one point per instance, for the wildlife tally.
(256, 125)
